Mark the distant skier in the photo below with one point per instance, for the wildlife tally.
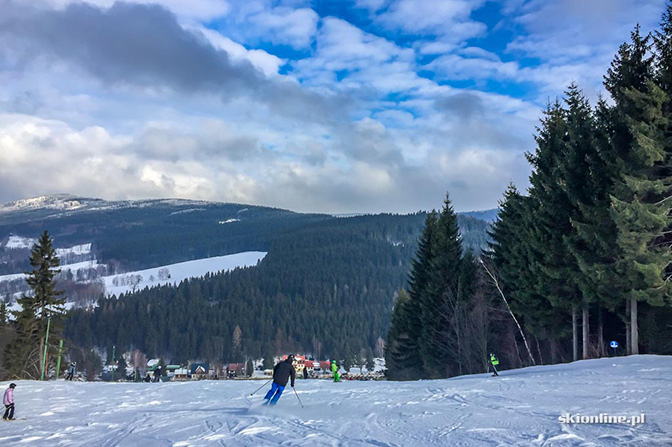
(157, 374)
(8, 402)
(494, 362)
(305, 372)
(334, 369)
(71, 371)
(281, 374)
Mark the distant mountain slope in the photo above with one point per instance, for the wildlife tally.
(486, 215)
(134, 235)
(141, 234)
(326, 286)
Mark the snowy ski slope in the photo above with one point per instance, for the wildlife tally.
(519, 408)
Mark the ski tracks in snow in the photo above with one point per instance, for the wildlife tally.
(518, 408)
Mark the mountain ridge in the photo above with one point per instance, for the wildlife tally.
(72, 202)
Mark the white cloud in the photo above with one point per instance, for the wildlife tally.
(575, 40)
(265, 62)
(450, 18)
(456, 67)
(366, 61)
(280, 25)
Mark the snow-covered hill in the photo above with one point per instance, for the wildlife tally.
(68, 202)
(138, 280)
(175, 273)
(55, 201)
(519, 408)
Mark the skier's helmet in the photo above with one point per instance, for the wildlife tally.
(12, 385)
(290, 358)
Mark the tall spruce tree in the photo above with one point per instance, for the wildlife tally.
(554, 267)
(439, 303)
(420, 289)
(640, 208)
(576, 170)
(663, 79)
(594, 241)
(512, 255)
(428, 337)
(26, 355)
(403, 351)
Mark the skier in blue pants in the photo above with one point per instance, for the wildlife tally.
(281, 374)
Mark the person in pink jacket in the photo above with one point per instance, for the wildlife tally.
(8, 402)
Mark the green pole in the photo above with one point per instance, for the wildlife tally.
(113, 349)
(58, 363)
(46, 343)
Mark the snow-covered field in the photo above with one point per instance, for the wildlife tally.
(175, 273)
(166, 274)
(519, 408)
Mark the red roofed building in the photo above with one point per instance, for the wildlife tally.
(235, 370)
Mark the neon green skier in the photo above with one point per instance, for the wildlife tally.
(334, 369)
(494, 362)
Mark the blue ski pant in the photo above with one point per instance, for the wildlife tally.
(274, 393)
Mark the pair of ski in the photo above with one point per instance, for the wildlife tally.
(295, 393)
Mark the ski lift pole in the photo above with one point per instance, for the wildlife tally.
(46, 343)
(297, 396)
(260, 387)
(58, 363)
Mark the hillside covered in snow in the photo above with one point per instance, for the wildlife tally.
(176, 273)
(519, 408)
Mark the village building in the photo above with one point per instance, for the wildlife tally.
(234, 370)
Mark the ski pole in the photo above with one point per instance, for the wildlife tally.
(297, 396)
(260, 388)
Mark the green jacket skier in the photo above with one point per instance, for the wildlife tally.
(494, 362)
(334, 369)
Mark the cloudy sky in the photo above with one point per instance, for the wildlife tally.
(326, 105)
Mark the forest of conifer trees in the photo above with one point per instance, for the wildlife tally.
(583, 258)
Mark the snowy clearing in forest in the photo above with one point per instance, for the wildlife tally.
(521, 407)
(176, 273)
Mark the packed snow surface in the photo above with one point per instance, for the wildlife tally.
(521, 408)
